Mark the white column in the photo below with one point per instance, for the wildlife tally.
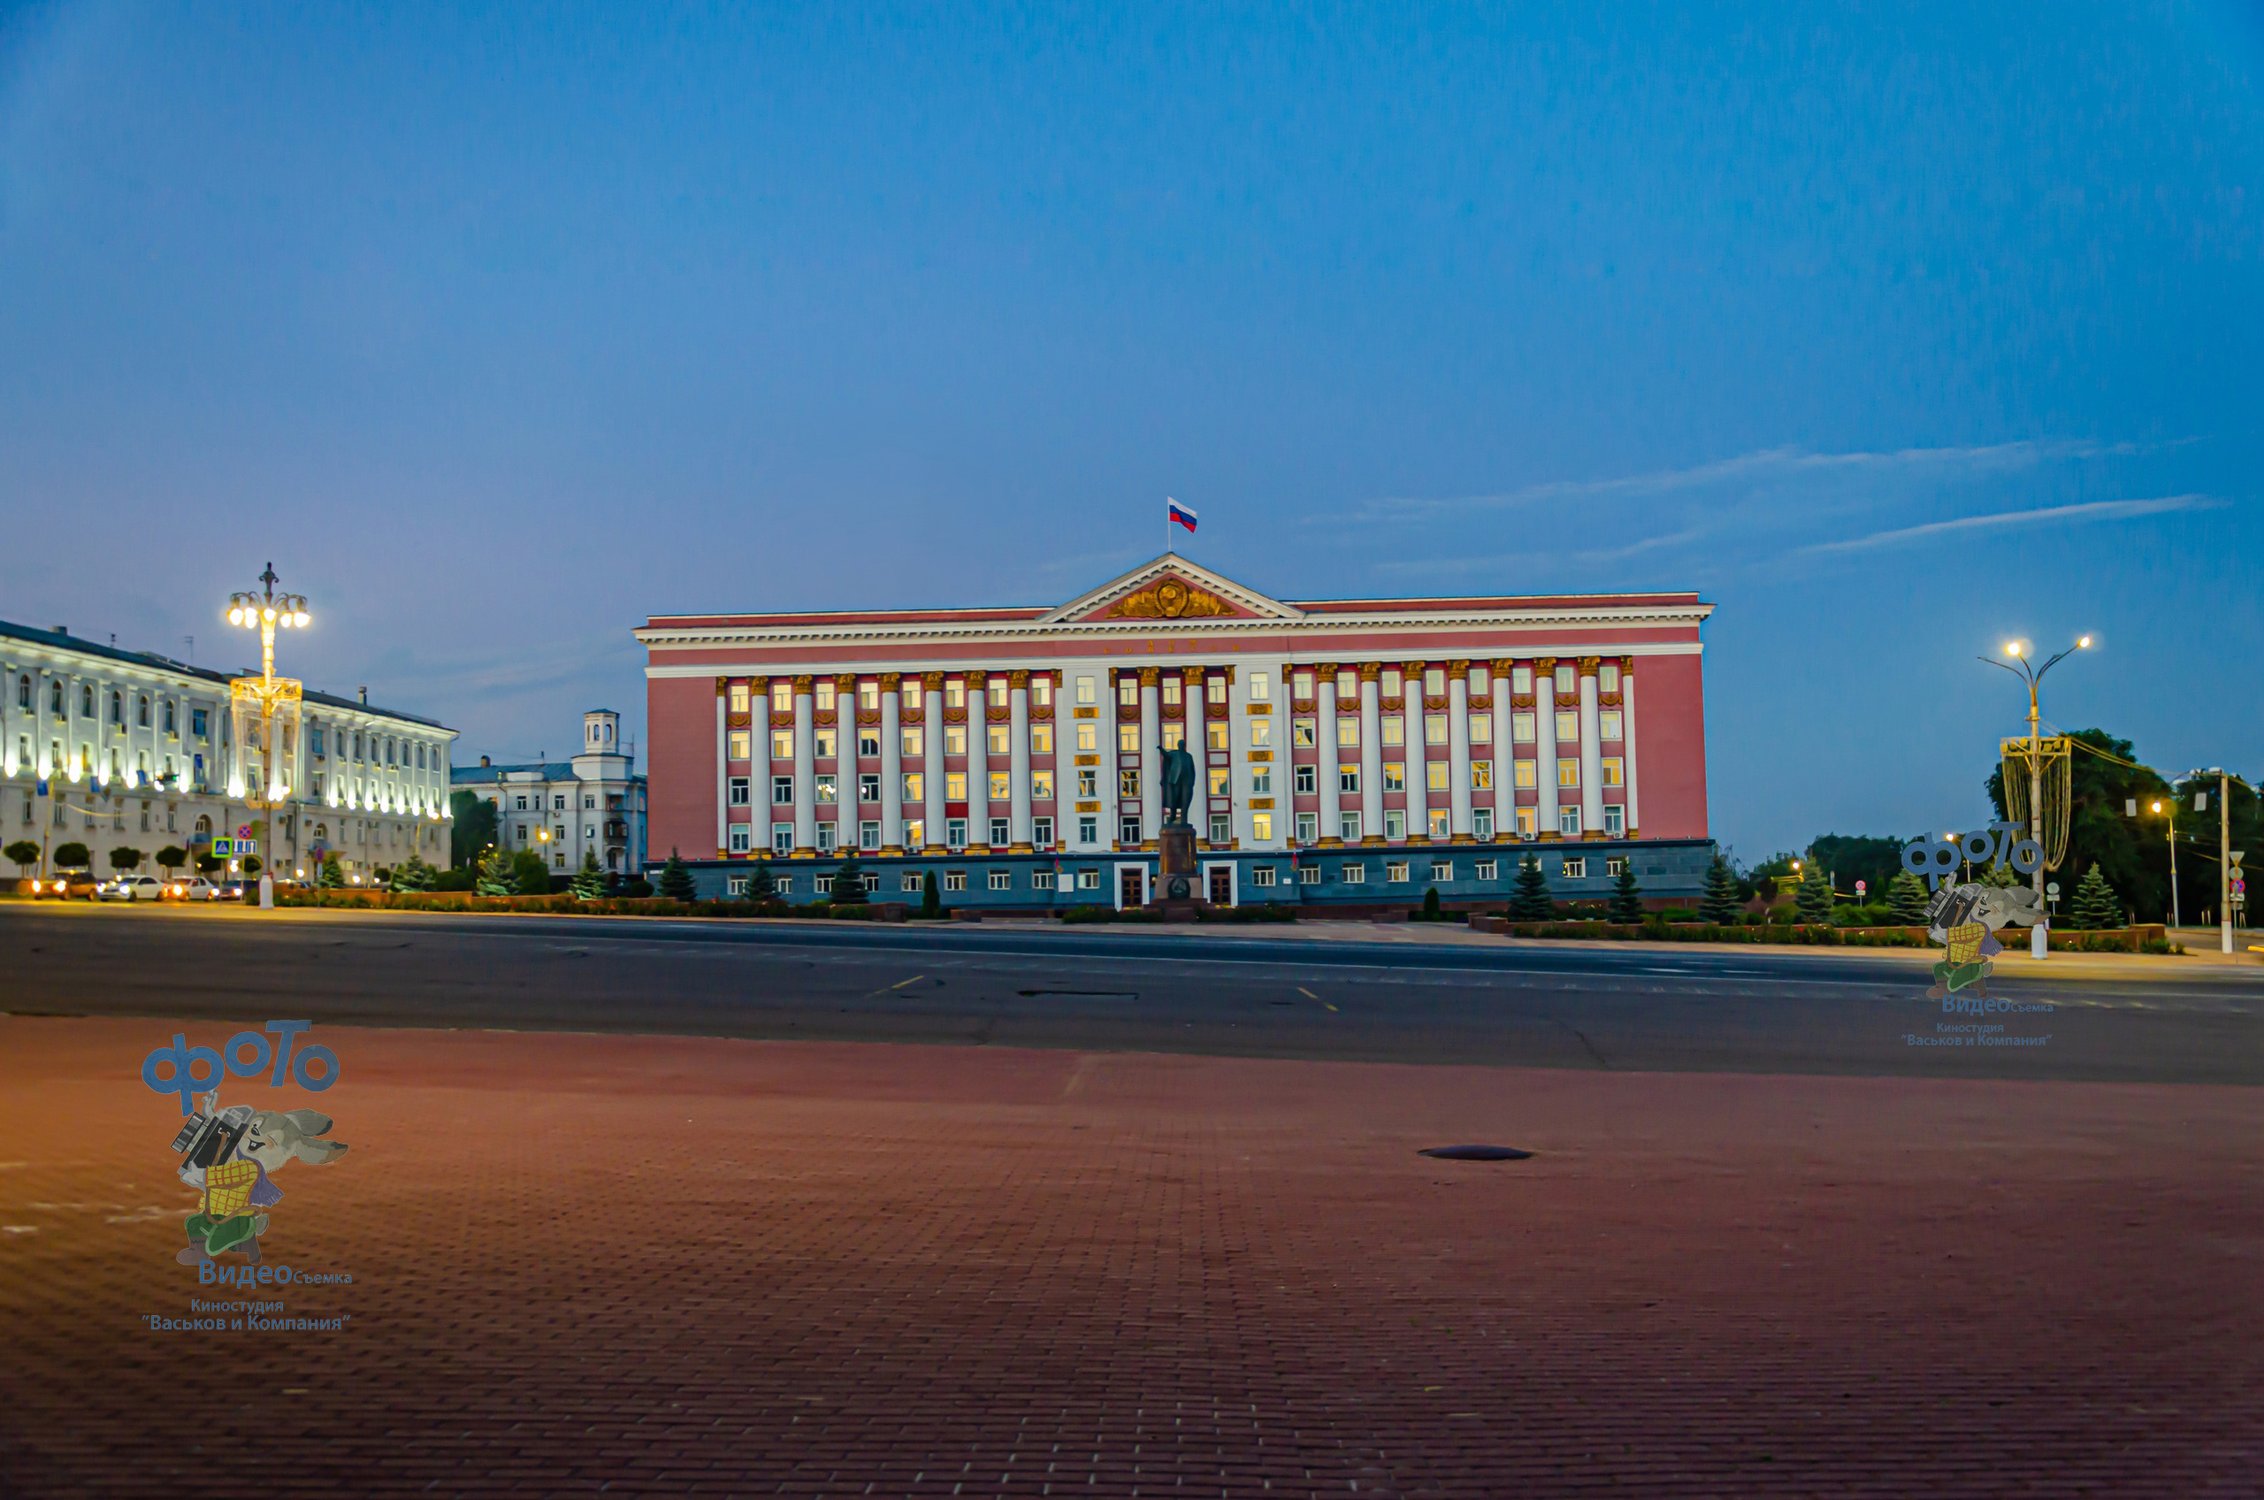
(1417, 751)
(1591, 756)
(805, 772)
(931, 776)
(891, 763)
(758, 779)
(722, 767)
(1544, 741)
(1627, 728)
(1018, 761)
(1199, 812)
(1324, 735)
(845, 767)
(1458, 749)
(1505, 756)
(1151, 779)
(1371, 755)
(978, 763)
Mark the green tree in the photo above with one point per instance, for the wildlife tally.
(761, 885)
(497, 876)
(676, 881)
(1627, 897)
(1870, 858)
(1431, 912)
(931, 896)
(171, 858)
(209, 864)
(23, 852)
(1719, 905)
(1906, 893)
(253, 864)
(848, 883)
(473, 827)
(330, 874)
(1813, 897)
(2101, 831)
(589, 880)
(529, 875)
(1529, 898)
(71, 856)
(2095, 902)
(414, 874)
(125, 857)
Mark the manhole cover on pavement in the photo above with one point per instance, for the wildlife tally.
(1475, 1153)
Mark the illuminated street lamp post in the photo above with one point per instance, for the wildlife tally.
(2170, 837)
(2023, 665)
(262, 699)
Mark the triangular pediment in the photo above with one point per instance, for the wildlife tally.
(1166, 589)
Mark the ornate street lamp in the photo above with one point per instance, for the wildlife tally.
(258, 702)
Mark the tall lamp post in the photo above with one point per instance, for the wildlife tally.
(266, 697)
(2170, 836)
(2024, 666)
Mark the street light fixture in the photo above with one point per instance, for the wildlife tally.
(267, 695)
(2023, 665)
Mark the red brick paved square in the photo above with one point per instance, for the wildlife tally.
(636, 1266)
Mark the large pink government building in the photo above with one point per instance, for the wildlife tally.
(1351, 753)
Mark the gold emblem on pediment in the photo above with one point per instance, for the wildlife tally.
(1169, 599)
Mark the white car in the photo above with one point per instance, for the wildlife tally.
(133, 888)
(192, 888)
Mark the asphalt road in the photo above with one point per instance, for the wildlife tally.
(1119, 989)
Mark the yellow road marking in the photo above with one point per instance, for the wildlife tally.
(915, 979)
(1308, 994)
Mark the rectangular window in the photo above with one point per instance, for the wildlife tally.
(1566, 683)
(1261, 826)
(1393, 730)
(1442, 869)
(1521, 726)
(1041, 691)
(995, 691)
(782, 839)
(1261, 781)
(1609, 725)
(955, 880)
(1568, 822)
(1088, 736)
(1395, 776)
(1528, 822)
(829, 791)
(1481, 729)
(826, 833)
(1526, 774)
(1521, 679)
(1488, 869)
(1352, 874)
(1303, 734)
(1214, 734)
(1085, 691)
(1348, 827)
(1041, 832)
(1482, 822)
(1395, 824)
(868, 789)
(955, 695)
(1302, 778)
(1171, 695)
(782, 697)
(955, 833)
(1434, 729)
(1614, 770)
(1607, 677)
(1174, 735)
(1219, 779)
(1128, 829)
(1088, 830)
(1222, 828)
(1347, 685)
(740, 702)
(955, 786)
(736, 885)
(1576, 867)
(742, 745)
(1261, 875)
(1441, 827)
(1128, 784)
(998, 739)
(868, 743)
(824, 696)
(1261, 734)
(1348, 778)
(1002, 880)
(955, 739)
(1001, 785)
(1616, 866)
(782, 744)
(1392, 685)
(1301, 685)
(912, 742)
(1261, 687)
(1568, 772)
(868, 696)
(742, 838)
(1128, 738)
(1481, 775)
(1127, 692)
(1567, 728)
(1041, 739)
(784, 885)
(914, 692)
(1434, 775)
(1041, 786)
(741, 791)
(915, 833)
(1308, 828)
(1088, 880)
(821, 744)
(1615, 819)
(1214, 688)
(1434, 681)
(1347, 731)
(909, 883)
(1041, 880)
(913, 782)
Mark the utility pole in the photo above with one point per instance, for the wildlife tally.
(2225, 859)
(2171, 808)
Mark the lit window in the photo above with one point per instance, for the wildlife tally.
(742, 744)
(995, 690)
(740, 700)
(1127, 692)
(1214, 687)
(1041, 786)
(1041, 739)
(1348, 778)
(955, 696)
(1128, 784)
(1218, 780)
(1347, 731)
(868, 696)
(955, 739)
(1301, 685)
(1610, 726)
(1434, 729)
(1395, 776)
(1085, 690)
(1128, 738)
(1088, 736)
(1568, 822)
(1567, 728)
(782, 744)
(1440, 827)
(821, 744)
(1614, 770)
(1001, 786)
(1528, 822)
(1434, 775)
(782, 697)
(823, 698)
(1527, 774)
(1481, 775)
(913, 781)
(1260, 687)
(955, 786)
(1041, 691)
(1576, 867)
(1261, 734)
(1394, 730)
(1302, 734)
(1261, 827)
(1568, 772)
(998, 740)
(829, 791)
(911, 742)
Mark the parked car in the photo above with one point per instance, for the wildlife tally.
(133, 888)
(63, 887)
(192, 888)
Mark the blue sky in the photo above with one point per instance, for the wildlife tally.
(1894, 332)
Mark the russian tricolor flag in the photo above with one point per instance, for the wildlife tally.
(1180, 515)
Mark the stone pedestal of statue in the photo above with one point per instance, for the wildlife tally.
(1179, 886)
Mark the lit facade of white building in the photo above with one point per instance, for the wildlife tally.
(594, 803)
(110, 748)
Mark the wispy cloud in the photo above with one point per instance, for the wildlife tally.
(1762, 465)
(2050, 515)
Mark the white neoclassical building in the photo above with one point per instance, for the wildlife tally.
(111, 748)
(561, 809)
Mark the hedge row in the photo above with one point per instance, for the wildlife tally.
(2141, 939)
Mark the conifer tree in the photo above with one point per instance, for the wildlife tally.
(589, 881)
(1627, 896)
(931, 897)
(1906, 893)
(760, 884)
(1813, 900)
(2096, 905)
(413, 874)
(676, 881)
(1529, 898)
(849, 883)
(330, 874)
(499, 875)
(1719, 905)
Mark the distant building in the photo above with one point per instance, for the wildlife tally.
(1353, 752)
(139, 750)
(562, 808)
